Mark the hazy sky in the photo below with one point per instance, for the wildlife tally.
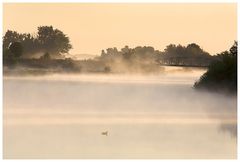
(92, 27)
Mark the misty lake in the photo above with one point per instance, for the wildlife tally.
(146, 117)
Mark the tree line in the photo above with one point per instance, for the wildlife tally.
(49, 42)
(172, 54)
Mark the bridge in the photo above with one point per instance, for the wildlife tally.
(185, 61)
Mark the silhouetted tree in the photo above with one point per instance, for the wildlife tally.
(195, 50)
(233, 50)
(9, 37)
(47, 40)
(53, 40)
(170, 49)
(127, 52)
(103, 53)
(222, 73)
(144, 54)
(16, 49)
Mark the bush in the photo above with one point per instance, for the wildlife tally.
(221, 74)
(46, 56)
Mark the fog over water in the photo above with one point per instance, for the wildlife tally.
(146, 116)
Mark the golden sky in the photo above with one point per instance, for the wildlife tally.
(92, 27)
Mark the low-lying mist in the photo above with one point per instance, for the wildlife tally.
(108, 102)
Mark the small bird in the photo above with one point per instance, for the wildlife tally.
(105, 133)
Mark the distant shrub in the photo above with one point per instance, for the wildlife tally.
(107, 69)
(46, 56)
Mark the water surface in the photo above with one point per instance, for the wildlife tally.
(146, 116)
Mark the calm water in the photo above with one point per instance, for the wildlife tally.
(63, 116)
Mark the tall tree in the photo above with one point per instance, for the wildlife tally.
(53, 40)
(9, 37)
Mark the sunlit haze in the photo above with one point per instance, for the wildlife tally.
(92, 27)
(133, 102)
